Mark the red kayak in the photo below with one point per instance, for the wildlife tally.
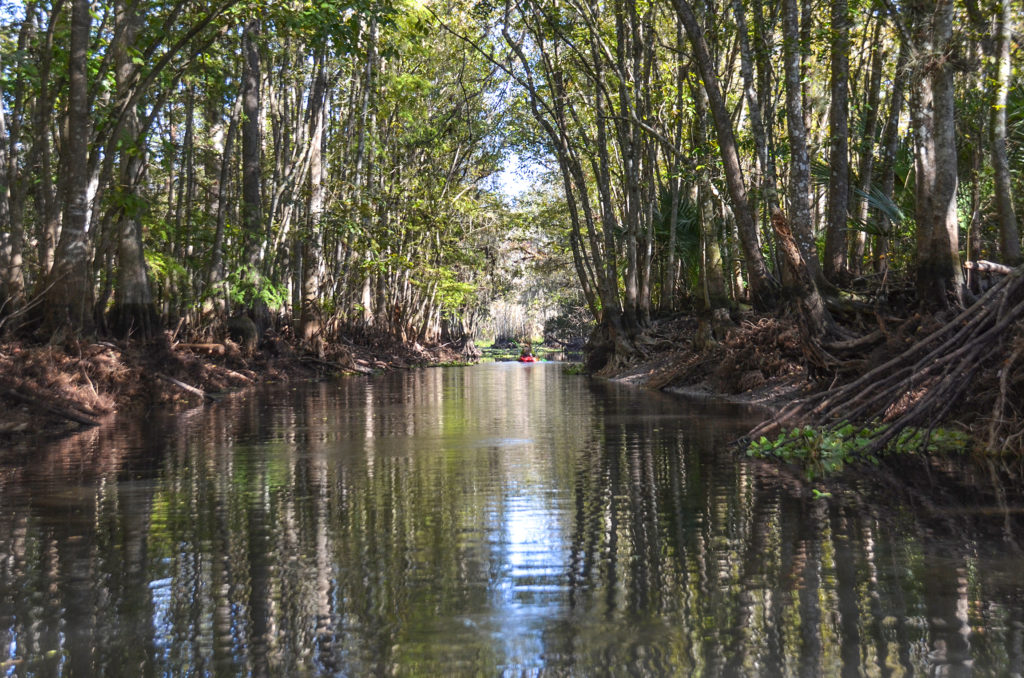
(527, 359)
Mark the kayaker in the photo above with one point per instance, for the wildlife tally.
(526, 354)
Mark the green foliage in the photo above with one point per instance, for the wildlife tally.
(825, 451)
(246, 287)
(163, 267)
(819, 451)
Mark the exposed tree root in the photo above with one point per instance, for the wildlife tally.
(920, 386)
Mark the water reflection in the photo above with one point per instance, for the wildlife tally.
(502, 519)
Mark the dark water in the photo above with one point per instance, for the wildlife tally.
(497, 520)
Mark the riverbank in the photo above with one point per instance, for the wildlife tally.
(48, 391)
(756, 362)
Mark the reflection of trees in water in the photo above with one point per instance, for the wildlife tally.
(757, 580)
(341, 547)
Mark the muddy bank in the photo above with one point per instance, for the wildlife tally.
(757, 362)
(49, 391)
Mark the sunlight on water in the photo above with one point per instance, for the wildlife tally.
(494, 520)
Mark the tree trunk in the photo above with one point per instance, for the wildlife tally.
(839, 153)
(974, 225)
(814, 319)
(668, 291)
(252, 143)
(68, 303)
(12, 201)
(765, 161)
(939, 275)
(134, 313)
(312, 246)
(215, 274)
(712, 273)
(47, 199)
(867, 153)
(1009, 235)
(800, 167)
(762, 286)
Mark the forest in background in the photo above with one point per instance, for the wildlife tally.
(330, 167)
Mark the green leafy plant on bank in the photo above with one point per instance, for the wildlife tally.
(825, 451)
(246, 286)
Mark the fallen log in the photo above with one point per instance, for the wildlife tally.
(185, 387)
(987, 267)
(63, 412)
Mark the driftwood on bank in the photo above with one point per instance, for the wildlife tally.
(49, 406)
(351, 367)
(920, 386)
(185, 387)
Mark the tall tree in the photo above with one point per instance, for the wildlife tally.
(134, 312)
(312, 242)
(799, 194)
(929, 28)
(69, 293)
(839, 150)
(252, 145)
(12, 196)
(1009, 234)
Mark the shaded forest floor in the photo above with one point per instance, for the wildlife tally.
(49, 391)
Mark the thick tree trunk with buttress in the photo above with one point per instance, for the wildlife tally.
(134, 313)
(815, 322)
(940, 278)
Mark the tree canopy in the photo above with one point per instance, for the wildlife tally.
(333, 163)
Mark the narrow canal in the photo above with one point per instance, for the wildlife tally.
(502, 519)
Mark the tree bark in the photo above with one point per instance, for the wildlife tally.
(312, 244)
(940, 279)
(215, 274)
(867, 153)
(68, 304)
(252, 144)
(890, 145)
(12, 200)
(839, 153)
(712, 274)
(800, 166)
(765, 161)
(1009, 235)
(815, 321)
(134, 313)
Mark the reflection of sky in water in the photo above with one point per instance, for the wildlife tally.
(528, 585)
